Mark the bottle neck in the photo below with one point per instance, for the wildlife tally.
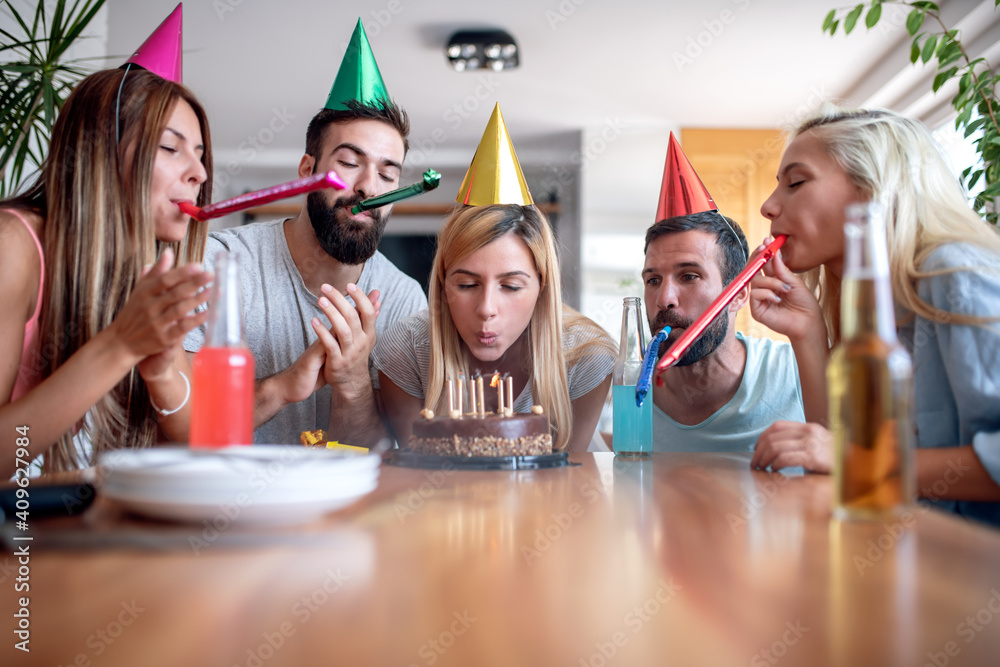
(225, 319)
(632, 344)
(866, 306)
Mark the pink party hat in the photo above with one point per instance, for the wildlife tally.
(161, 52)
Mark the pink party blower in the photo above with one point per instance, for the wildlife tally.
(261, 197)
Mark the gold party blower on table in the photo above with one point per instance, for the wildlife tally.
(318, 437)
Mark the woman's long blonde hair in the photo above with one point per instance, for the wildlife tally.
(93, 195)
(895, 161)
(470, 228)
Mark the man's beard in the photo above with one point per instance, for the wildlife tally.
(709, 340)
(347, 241)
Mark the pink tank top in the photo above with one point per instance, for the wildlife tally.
(28, 374)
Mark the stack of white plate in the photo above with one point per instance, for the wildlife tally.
(238, 485)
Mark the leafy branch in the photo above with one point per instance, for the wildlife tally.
(977, 85)
(35, 81)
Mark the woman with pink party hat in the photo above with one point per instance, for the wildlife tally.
(496, 305)
(92, 339)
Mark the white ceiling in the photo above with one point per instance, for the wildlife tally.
(601, 84)
(584, 63)
(631, 70)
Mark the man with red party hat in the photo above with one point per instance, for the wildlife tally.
(316, 290)
(728, 387)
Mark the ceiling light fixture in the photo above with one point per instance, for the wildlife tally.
(482, 49)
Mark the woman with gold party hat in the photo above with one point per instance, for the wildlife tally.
(496, 305)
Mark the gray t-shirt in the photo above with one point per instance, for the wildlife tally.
(404, 355)
(277, 310)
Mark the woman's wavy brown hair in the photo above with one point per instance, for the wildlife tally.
(93, 194)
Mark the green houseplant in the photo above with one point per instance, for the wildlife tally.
(35, 80)
(976, 102)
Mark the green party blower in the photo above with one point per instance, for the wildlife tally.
(431, 180)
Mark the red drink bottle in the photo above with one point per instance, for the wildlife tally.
(223, 383)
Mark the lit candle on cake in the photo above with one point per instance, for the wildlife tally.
(498, 383)
(510, 395)
(461, 381)
(451, 395)
(472, 396)
(479, 387)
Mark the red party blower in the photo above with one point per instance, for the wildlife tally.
(678, 349)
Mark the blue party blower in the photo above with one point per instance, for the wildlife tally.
(645, 381)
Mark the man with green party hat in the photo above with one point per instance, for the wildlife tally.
(727, 388)
(316, 290)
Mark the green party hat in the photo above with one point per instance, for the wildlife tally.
(358, 78)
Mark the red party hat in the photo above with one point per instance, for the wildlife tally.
(161, 52)
(682, 192)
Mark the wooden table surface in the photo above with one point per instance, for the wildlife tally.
(681, 559)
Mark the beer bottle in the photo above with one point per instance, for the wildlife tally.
(870, 379)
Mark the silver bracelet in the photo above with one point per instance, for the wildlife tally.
(187, 395)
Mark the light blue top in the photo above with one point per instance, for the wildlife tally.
(956, 368)
(770, 391)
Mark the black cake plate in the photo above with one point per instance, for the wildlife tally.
(405, 458)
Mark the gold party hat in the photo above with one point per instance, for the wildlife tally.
(495, 176)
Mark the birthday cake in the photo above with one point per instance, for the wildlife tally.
(489, 435)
